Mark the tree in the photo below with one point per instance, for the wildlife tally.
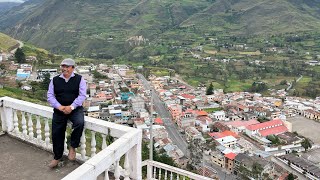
(306, 144)
(20, 56)
(209, 89)
(98, 75)
(46, 81)
(256, 169)
(290, 177)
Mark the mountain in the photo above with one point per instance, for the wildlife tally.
(7, 43)
(86, 27)
(5, 6)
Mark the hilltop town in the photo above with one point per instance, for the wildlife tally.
(214, 133)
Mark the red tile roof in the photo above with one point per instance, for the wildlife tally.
(242, 123)
(158, 121)
(229, 133)
(188, 96)
(265, 124)
(217, 135)
(275, 131)
(202, 113)
(230, 155)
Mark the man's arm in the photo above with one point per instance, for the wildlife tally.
(51, 97)
(82, 94)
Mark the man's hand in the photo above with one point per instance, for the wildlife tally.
(67, 110)
(61, 108)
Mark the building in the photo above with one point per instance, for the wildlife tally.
(137, 103)
(229, 161)
(273, 127)
(22, 75)
(302, 166)
(227, 141)
(240, 126)
(93, 111)
(218, 115)
(244, 165)
(217, 158)
(192, 133)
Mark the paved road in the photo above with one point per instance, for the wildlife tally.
(166, 117)
(289, 169)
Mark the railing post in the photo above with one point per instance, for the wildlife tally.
(149, 171)
(3, 117)
(8, 119)
(135, 158)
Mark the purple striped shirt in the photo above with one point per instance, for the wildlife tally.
(77, 102)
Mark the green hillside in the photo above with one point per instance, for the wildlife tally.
(6, 42)
(101, 28)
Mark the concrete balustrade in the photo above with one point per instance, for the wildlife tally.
(32, 123)
(127, 143)
(157, 170)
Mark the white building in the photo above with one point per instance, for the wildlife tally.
(219, 115)
(227, 141)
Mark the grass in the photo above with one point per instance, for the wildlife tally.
(234, 85)
(18, 94)
(31, 50)
(257, 53)
(302, 84)
(211, 110)
(6, 42)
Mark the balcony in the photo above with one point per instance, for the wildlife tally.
(107, 150)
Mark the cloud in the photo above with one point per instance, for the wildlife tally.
(17, 1)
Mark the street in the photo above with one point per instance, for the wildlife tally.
(162, 111)
(289, 169)
(174, 134)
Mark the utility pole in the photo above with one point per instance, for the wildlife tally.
(149, 167)
(151, 123)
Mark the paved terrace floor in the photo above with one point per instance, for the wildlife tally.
(22, 161)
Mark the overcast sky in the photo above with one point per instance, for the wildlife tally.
(21, 1)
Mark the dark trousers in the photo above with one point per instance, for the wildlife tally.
(59, 125)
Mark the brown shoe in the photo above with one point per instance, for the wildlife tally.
(54, 163)
(72, 154)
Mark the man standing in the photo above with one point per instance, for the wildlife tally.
(66, 94)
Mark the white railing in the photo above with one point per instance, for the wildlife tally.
(157, 170)
(31, 122)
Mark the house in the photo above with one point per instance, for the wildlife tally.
(221, 126)
(192, 133)
(187, 119)
(240, 126)
(307, 168)
(216, 135)
(93, 111)
(22, 74)
(244, 164)
(26, 87)
(311, 114)
(92, 89)
(227, 141)
(217, 158)
(175, 111)
(126, 95)
(218, 115)
(229, 161)
(203, 123)
(158, 121)
(273, 127)
(137, 103)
